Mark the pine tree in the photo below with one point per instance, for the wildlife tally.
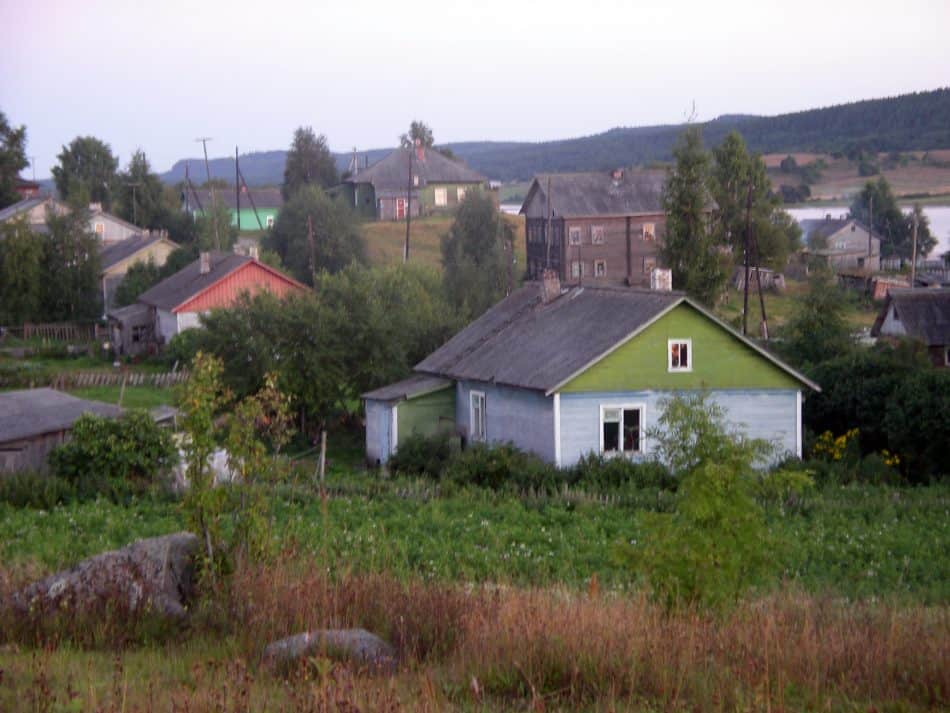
(309, 163)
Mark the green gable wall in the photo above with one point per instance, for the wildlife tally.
(249, 221)
(426, 415)
(720, 360)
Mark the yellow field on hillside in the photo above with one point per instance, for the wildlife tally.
(385, 240)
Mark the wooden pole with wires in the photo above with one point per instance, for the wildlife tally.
(214, 200)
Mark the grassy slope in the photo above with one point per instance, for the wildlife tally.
(145, 397)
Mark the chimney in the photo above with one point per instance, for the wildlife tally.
(254, 252)
(420, 150)
(617, 174)
(204, 263)
(661, 279)
(550, 286)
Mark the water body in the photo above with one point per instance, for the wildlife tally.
(939, 217)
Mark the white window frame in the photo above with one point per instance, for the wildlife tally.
(441, 196)
(577, 268)
(602, 273)
(598, 235)
(460, 193)
(269, 221)
(641, 407)
(573, 235)
(690, 356)
(415, 179)
(649, 231)
(478, 431)
(100, 229)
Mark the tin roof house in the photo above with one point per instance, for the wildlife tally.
(922, 314)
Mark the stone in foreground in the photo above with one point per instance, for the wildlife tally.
(155, 574)
(354, 645)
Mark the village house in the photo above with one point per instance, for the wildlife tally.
(382, 191)
(107, 228)
(34, 421)
(844, 244)
(26, 188)
(256, 209)
(215, 280)
(922, 314)
(115, 259)
(603, 226)
(567, 372)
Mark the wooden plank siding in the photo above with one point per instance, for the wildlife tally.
(252, 277)
(519, 416)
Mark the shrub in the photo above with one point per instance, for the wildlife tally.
(115, 457)
(182, 347)
(595, 470)
(29, 489)
(500, 467)
(423, 455)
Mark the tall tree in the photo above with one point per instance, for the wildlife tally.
(139, 194)
(86, 171)
(215, 228)
(21, 273)
(877, 202)
(818, 330)
(689, 249)
(417, 130)
(336, 238)
(475, 254)
(12, 159)
(71, 267)
(309, 163)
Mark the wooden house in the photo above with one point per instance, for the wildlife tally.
(215, 280)
(603, 227)
(567, 372)
(34, 421)
(922, 314)
(844, 244)
(115, 259)
(256, 209)
(382, 191)
(106, 227)
(26, 188)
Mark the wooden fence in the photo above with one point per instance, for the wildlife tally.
(84, 379)
(72, 332)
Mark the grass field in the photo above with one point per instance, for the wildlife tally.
(385, 240)
(144, 397)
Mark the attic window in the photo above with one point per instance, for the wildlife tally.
(100, 228)
(680, 355)
(621, 429)
(574, 235)
(649, 231)
(597, 235)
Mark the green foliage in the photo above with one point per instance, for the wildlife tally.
(422, 456)
(21, 272)
(818, 330)
(475, 255)
(139, 195)
(689, 248)
(714, 546)
(116, 457)
(86, 172)
(337, 240)
(784, 486)
(917, 422)
(183, 347)
(214, 228)
(877, 201)
(138, 278)
(309, 163)
(418, 131)
(500, 467)
(12, 159)
(71, 268)
(601, 473)
(27, 489)
(789, 164)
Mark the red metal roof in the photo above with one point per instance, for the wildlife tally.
(252, 277)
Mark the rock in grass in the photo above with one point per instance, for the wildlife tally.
(357, 646)
(154, 575)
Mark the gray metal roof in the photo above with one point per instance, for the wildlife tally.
(392, 172)
(263, 198)
(130, 313)
(415, 386)
(188, 282)
(824, 228)
(33, 412)
(11, 211)
(114, 253)
(924, 312)
(592, 194)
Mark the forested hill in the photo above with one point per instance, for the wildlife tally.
(918, 121)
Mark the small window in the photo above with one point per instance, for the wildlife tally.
(100, 228)
(478, 424)
(649, 231)
(574, 235)
(621, 430)
(269, 222)
(415, 180)
(441, 196)
(578, 268)
(600, 268)
(840, 245)
(460, 193)
(597, 235)
(649, 263)
(680, 355)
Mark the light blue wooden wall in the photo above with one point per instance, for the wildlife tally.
(768, 414)
(523, 417)
(379, 420)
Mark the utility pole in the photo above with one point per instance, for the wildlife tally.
(237, 188)
(33, 166)
(748, 249)
(405, 250)
(913, 259)
(870, 224)
(214, 201)
(132, 185)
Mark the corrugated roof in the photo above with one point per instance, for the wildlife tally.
(591, 194)
(188, 282)
(415, 386)
(392, 172)
(925, 314)
(113, 253)
(33, 412)
(263, 198)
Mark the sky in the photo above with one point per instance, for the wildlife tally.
(156, 75)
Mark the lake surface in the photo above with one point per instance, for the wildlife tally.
(939, 217)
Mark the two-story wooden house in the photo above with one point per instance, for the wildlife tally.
(601, 226)
(842, 243)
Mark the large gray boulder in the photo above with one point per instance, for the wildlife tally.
(156, 574)
(357, 646)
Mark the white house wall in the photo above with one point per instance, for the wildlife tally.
(379, 419)
(188, 320)
(167, 324)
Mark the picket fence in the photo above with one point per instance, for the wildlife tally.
(84, 379)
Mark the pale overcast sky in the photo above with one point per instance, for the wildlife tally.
(158, 74)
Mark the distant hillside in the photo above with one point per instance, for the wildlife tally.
(918, 121)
